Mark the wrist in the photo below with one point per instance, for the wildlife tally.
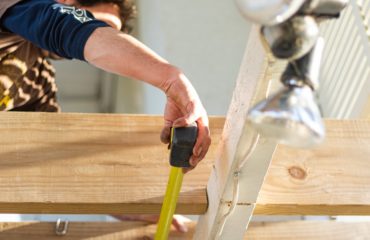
(179, 88)
(171, 76)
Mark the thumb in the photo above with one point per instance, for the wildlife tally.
(166, 132)
(188, 119)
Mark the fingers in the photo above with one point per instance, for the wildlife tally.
(202, 144)
(190, 117)
(171, 113)
(203, 139)
(166, 132)
(179, 224)
(176, 116)
(178, 221)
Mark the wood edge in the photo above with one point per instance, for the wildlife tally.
(142, 230)
(97, 208)
(312, 209)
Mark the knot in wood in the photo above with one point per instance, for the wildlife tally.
(297, 172)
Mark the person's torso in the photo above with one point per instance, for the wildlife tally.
(24, 72)
(23, 68)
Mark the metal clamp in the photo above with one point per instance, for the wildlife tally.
(61, 229)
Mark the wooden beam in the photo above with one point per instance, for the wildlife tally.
(332, 179)
(110, 164)
(91, 163)
(308, 230)
(86, 230)
(253, 83)
(319, 230)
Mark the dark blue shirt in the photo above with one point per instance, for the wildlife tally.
(58, 28)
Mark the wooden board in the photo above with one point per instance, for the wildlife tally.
(96, 163)
(91, 163)
(86, 230)
(333, 179)
(308, 230)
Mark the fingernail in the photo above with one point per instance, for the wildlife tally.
(192, 161)
(199, 151)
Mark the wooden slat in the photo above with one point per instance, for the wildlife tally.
(308, 230)
(91, 163)
(86, 230)
(333, 179)
(81, 163)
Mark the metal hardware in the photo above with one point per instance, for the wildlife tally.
(61, 229)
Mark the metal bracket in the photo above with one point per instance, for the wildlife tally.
(61, 229)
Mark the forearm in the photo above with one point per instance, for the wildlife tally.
(119, 53)
(122, 54)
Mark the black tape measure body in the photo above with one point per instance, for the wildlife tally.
(182, 143)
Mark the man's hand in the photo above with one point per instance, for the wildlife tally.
(122, 54)
(183, 108)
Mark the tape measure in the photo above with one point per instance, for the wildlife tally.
(182, 143)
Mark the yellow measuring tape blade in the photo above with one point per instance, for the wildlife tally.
(169, 203)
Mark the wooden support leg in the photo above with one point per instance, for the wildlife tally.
(239, 143)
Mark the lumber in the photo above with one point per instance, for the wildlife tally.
(332, 179)
(91, 163)
(111, 164)
(308, 230)
(86, 230)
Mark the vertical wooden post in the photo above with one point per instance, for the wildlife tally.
(237, 139)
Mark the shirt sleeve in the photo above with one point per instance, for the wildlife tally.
(60, 29)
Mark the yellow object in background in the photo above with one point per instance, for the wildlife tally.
(5, 101)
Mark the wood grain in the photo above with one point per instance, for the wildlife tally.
(308, 230)
(96, 163)
(332, 179)
(86, 230)
(91, 163)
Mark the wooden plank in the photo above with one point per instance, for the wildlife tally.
(308, 230)
(86, 230)
(110, 164)
(91, 163)
(332, 179)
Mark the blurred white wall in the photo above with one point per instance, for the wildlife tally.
(206, 39)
